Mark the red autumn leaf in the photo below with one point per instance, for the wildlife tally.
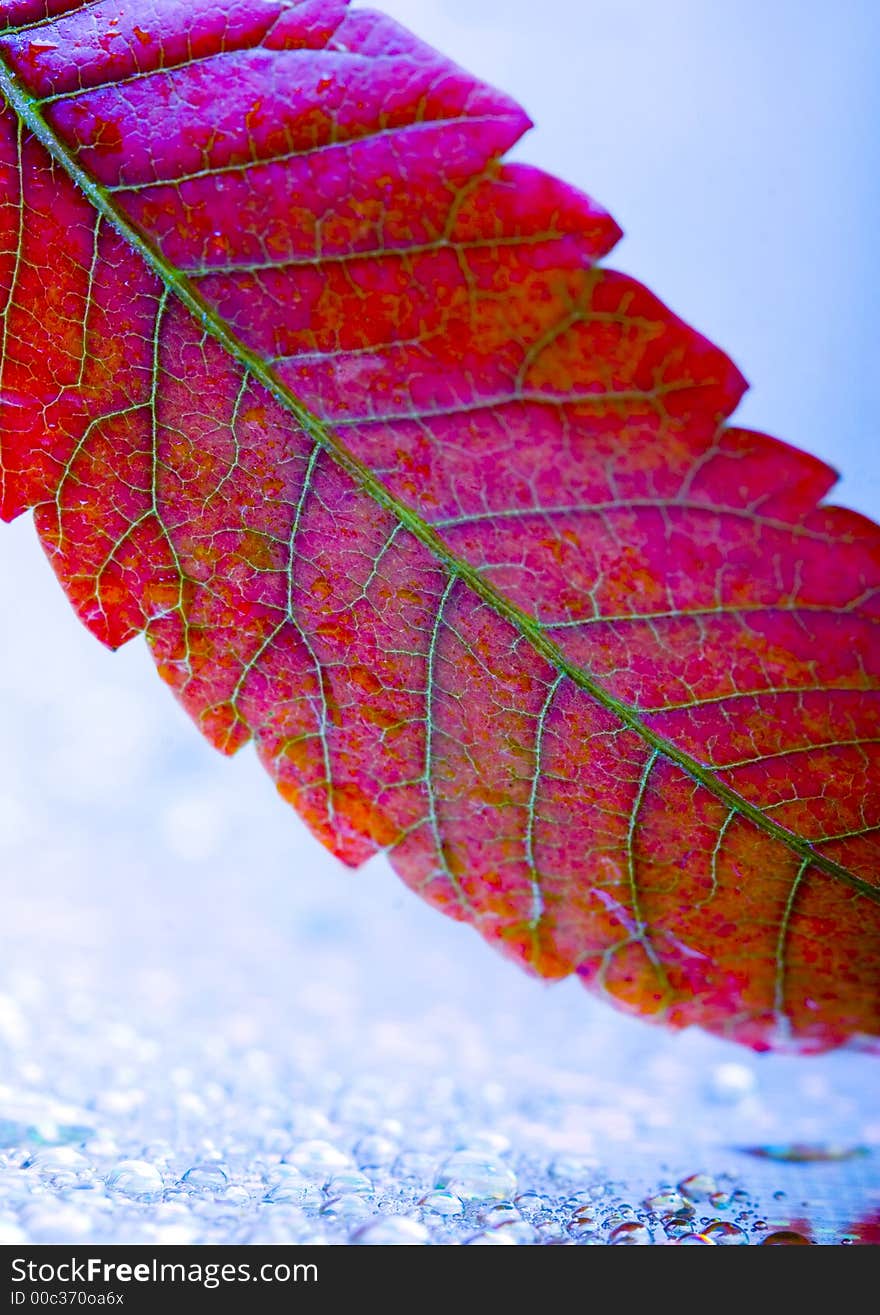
(306, 383)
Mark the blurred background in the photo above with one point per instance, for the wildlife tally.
(187, 979)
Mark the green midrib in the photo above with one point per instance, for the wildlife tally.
(28, 110)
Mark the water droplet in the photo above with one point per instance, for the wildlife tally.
(475, 1176)
(724, 1234)
(392, 1231)
(442, 1203)
(532, 1205)
(351, 1182)
(317, 1159)
(676, 1225)
(502, 1212)
(694, 1240)
(417, 1166)
(666, 1201)
(374, 1151)
(583, 1220)
(698, 1187)
(285, 1173)
(350, 1207)
(205, 1177)
(630, 1234)
(57, 1159)
(785, 1238)
(135, 1178)
(293, 1191)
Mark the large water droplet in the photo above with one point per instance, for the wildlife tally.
(475, 1176)
(698, 1187)
(446, 1204)
(679, 1222)
(666, 1201)
(135, 1178)
(51, 1160)
(583, 1220)
(374, 1151)
(505, 1212)
(348, 1183)
(351, 1208)
(724, 1234)
(415, 1166)
(630, 1234)
(785, 1238)
(532, 1205)
(295, 1191)
(205, 1177)
(694, 1240)
(317, 1159)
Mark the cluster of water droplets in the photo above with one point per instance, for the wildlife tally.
(344, 1131)
(199, 1118)
(353, 1174)
(341, 1129)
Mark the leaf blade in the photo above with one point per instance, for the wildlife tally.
(604, 348)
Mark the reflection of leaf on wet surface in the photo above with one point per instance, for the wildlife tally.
(805, 1153)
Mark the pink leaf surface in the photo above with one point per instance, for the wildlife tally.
(305, 382)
